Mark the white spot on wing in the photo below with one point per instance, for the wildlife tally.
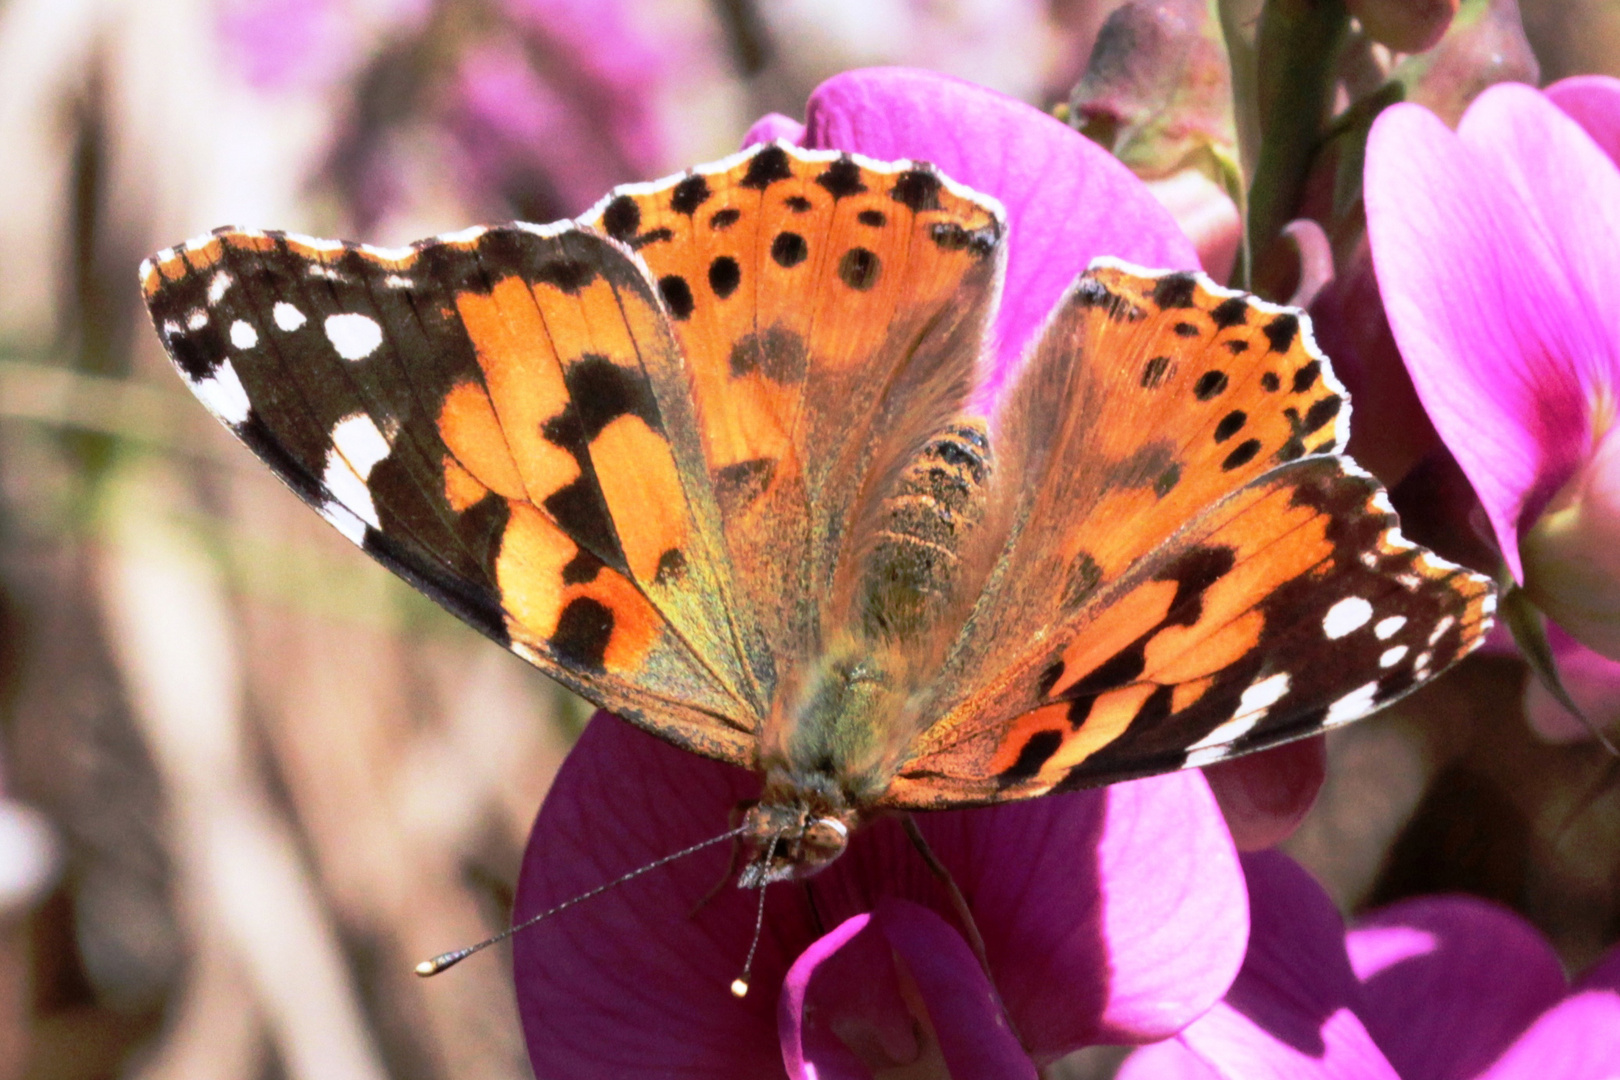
(287, 317)
(362, 445)
(355, 337)
(223, 394)
(217, 287)
(197, 319)
(1393, 656)
(349, 489)
(346, 522)
(1440, 629)
(1388, 628)
(243, 336)
(1345, 617)
(1354, 705)
(1253, 705)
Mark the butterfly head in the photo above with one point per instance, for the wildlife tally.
(793, 839)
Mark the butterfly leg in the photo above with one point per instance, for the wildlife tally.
(959, 904)
(733, 820)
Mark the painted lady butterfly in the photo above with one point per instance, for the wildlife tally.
(710, 456)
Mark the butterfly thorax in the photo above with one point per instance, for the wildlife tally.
(842, 722)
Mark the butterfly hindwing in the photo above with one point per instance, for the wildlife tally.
(1291, 606)
(477, 413)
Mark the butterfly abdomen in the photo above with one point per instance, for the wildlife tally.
(909, 574)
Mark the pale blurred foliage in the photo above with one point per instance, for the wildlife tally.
(277, 777)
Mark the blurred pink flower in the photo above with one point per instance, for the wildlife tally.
(1435, 988)
(560, 108)
(1497, 250)
(1114, 915)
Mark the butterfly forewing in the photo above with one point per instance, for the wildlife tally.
(424, 402)
(830, 311)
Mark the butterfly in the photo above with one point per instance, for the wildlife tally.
(721, 456)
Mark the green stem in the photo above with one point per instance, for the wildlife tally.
(1298, 47)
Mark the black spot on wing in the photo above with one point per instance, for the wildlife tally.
(1209, 384)
(798, 204)
(603, 391)
(567, 275)
(622, 218)
(789, 249)
(1270, 382)
(1230, 425)
(689, 194)
(917, 189)
(766, 168)
(1281, 331)
(724, 219)
(874, 218)
(1321, 412)
(1174, 291)
(724, 276)
(1155, 371)
(842, 179)
(677, 296)
(1035, 753)
(1305, 377)
(583, 632)
(859, 269)
(1241, 455)
(1230, 312)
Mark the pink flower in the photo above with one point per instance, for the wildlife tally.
(1112, 915)
(1497, 249)
(1436, 988)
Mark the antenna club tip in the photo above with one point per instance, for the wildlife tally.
(739, 988)
(426, 968)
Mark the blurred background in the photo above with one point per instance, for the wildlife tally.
(248, 778)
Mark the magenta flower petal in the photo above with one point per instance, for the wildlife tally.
(1434, 997)
(774, 126)
(1140, 945)
(1492, 298)
(1593, 101)
(1291, 1013)
(625, 984)
(1265, 796)
(896, 988)
(1067, 199)
(1604, 975)
(1578, 1039)
(1087, 939)
(1168, 1060)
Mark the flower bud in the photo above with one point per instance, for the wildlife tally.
(1158, 89)
(1572, 552)
(1407, 26)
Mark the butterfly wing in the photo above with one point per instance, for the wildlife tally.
(830, 310)
(489, 416)
(1193, 571)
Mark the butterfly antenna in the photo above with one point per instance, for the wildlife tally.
(451, 959)
(739, 985)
